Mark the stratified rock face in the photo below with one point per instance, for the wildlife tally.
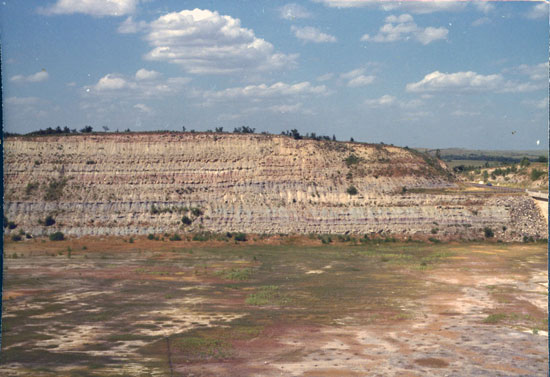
(145, 183)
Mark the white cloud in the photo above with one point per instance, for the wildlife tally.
(284, 109)
(143, 74)
(385, 100)
(142, 85)
(110, 82)
(96, 8)
(356, 78)
(143, 108)
(417, 7)
(129, 26)
(481, 21)
(325, 77)
(542, 104)
(361, 80)
(293, 11)
(311, 34)
(464, 113)
(537, 72)
(538, 11)
(403, 28)
(483, 6)
(459, 81)
(203, 42)
(278, 89)
(22, 100)
(35, 77)
(352, 74)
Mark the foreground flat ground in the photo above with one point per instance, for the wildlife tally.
(110, 307)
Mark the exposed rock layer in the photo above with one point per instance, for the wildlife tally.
(108, 184)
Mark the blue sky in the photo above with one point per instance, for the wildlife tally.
(419, 74)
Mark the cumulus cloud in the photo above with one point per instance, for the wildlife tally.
(325, 77)
(143, 108)
(481, 21)
(311, 34)
(143, 84)
(459, 81)
(538, 72)
(385, 100)
(417, 7)
(98, 8)
(35, 77)
(403, 27)
(293, 11)
(129, 26)
(538, 11)
(483, 6)
(464, 113)
(360, 80)
(284, 109)
(143, 74)
(22, 100)
(278, 89)
(356, 78)
(205, 42)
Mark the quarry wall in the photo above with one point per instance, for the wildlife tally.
(141, 183)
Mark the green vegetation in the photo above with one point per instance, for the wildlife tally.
(16, 237)
(267, 295)
(488, 232)
(196, 212)
(54, 191)
(49, 221)
(31, 187)
(536, 174)
(150, 236)
(352, 160)
(352, 190)
(57, 236)
(186, 220)
(11, 225)
(175, 237)
(170, 209)
(236, 274)
(241, 237)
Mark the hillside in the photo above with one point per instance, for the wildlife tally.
(146, 183)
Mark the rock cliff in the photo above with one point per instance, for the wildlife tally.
(142, 183)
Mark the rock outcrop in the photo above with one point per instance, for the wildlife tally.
(142, 183)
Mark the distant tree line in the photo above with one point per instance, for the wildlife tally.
(294, 133)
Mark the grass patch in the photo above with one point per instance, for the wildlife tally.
(267, 295)
(236, 274)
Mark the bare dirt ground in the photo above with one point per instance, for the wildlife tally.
(108, 307)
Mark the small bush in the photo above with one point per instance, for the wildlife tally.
(196, 212)
(186, 220)
(352, 190)
(434, 240)
(54, 191)
(151, 237)
(12, 225)
(49, 221)
(488, 232)
(240, 237)
(435, 230)
(536, 174)
(16, 237)
(31, 187)
(175, 237)
(90, 162)
(131, 240)
(57, 236)
(352, 160)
